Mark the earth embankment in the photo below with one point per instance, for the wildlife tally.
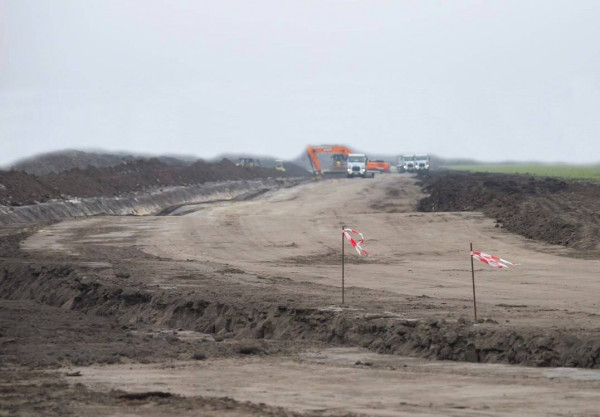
(138, 187)
(551, 210)
(18, 188)
(142, 202)
(219, 316)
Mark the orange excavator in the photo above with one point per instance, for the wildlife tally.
(339, 155)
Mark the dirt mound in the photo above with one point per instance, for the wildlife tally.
(67, 287)
(19, 188)
(66, 160)
(295, 170)
(551, 210)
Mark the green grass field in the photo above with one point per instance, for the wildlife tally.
(547, 170)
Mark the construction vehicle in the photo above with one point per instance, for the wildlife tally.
(279, 165)
(406, 163)
(339, 155)
(248, 163)
(378, 165)
(422, 163)
(358, 166)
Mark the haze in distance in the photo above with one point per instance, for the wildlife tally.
(493, 81)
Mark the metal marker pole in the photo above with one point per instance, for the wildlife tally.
(343, 237)
(473, 277)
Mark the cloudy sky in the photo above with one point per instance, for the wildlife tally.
(490, 80)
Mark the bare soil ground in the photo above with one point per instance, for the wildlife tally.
(235, 309)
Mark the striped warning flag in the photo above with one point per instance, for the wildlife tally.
(491, 260)
(353, 242)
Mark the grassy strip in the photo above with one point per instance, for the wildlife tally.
(546, 170)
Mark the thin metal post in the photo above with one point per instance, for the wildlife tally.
(343, 237)
(473, 277)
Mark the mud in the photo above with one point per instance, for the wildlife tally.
(551, 210)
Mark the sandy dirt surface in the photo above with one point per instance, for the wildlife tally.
(349, 379)
(296, 234)
(234, 309)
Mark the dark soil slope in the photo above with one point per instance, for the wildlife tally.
(19, 188)
(61, 161)
(552, 210)
(66, 160)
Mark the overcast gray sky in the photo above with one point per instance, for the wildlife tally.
(490, 80)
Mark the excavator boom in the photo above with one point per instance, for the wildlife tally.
(314, 151)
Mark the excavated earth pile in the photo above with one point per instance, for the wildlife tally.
(139, 187)
(18, 188)
(551, 210)
(217, 313)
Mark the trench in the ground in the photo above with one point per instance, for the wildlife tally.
(143, 203)
(63, 286)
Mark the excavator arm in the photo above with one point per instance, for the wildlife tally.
(313, 157)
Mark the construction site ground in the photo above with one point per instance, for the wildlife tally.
(235, 309)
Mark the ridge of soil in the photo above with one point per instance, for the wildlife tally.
(551, 210)
(18, 188)
(219, 314)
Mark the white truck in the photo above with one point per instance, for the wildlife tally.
(422, 162)
(357, 166)
(406, 163)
